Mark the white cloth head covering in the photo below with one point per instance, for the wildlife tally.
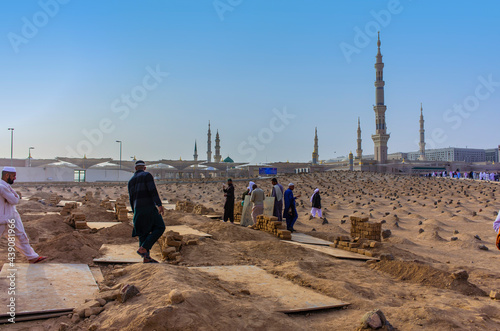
(291, 184)
(9, 169)
(250, 186)
(315, 191)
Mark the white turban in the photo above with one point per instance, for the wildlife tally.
(9, 169)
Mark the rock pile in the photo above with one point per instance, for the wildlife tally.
(77, 220)
(190, 207)
(272, 225)
(54, 199)
(362, 228)
(68, 207)
(121, 211)
(355, 246)
(170, 244)
(106, 204)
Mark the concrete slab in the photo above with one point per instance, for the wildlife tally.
(214, 216)
(246, 214)
(285, 296)
(269, 206)
(335, 252)
(102, 225)
(125, 253)
(307, 239)
(186, 230)
(168, 206)
(63, 202)
(47, 287)
(40, 213)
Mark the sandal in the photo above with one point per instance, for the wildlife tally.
(149, 260)
(39, 259)
(144, 255)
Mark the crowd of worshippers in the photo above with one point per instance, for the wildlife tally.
(483, 175)
(284, 202)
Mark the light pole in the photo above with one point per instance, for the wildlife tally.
(119, 141)
(29, 155)
(11, 144)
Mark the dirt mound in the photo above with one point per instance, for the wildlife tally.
(431, 236)
(209, 303)
(400, 241)
(428, 276)
(73, 247)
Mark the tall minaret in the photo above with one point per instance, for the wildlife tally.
(422, 135)
(217, 157)
(380, 137)
(209, 144)
(359, 151)
(195, 155)
(315, 154)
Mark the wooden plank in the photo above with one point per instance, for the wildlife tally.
(46, 287)
(307, 239)
(63, 202)
(284, 296)
(335, 252)
(213, 216)
(186, 230)
(40, 213)
(168, 206)
(102, 225)
(33, 317)
(124, 253)
(97, 273)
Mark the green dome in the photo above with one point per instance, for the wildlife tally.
(228, 160)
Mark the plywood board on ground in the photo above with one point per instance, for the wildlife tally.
(101, 225)
(46, 287)
(40, 213)
(64, 202)
(285, 296)
(307, 239)
(168, 206)
(125, 253)
(335, 252)
(214, 216)
(186, 230)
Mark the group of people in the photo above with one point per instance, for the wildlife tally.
(284, 202)
(483, 175)
(148, 210)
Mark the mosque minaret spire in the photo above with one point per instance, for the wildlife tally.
(422, 135)
(359, 151)
(315, 154)
(209, 144)
(380, 137)
(195, 155)
(217, 157)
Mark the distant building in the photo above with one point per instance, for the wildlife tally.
(492, 154)
(451, 154)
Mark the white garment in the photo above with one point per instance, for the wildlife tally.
(312, 196)
(315, 211)
(496, 224)
(8, 201)
(250, 187)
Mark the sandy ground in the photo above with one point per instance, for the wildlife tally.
(415, 290)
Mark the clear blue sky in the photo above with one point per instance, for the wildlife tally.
(67, 69)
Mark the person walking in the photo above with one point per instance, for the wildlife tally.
(277, 193)
(316, 204)
(229, 203)
(148, 210)
(290, 211)
(257, 198)
(11, 225)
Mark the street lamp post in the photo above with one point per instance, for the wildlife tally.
(11, 144)
(119, 141)
(29, 155)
